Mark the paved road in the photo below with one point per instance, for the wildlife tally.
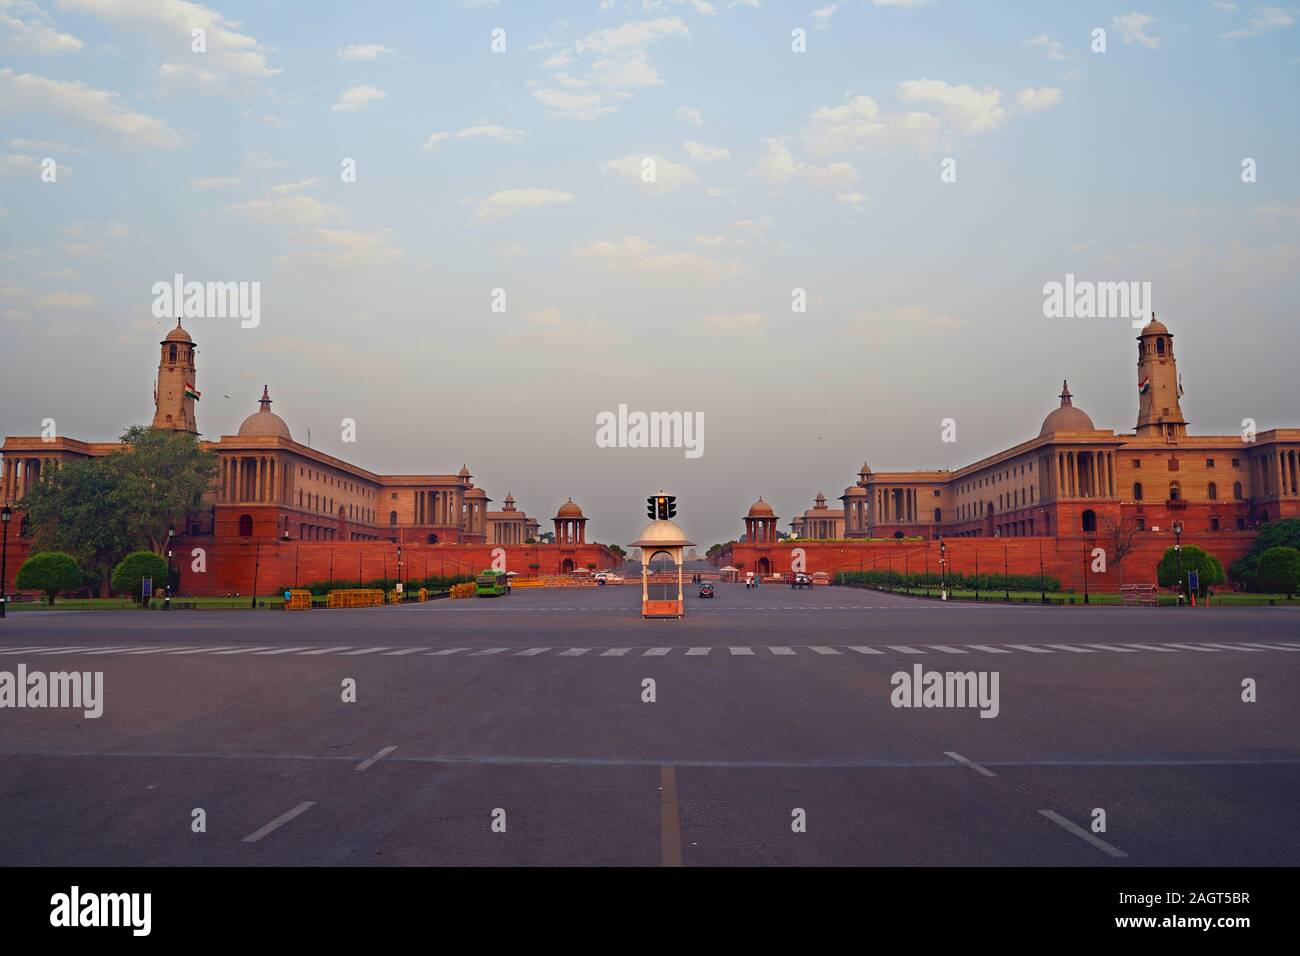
(766, 702)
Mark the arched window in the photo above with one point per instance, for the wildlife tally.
(171, 354)
(433, 539)
(1137, 491)
(392, 517)
(1213, 491)
(245, 526)
(938, 514)
(1090, 520)
(1236, 491)
(1175, 491)
(1160, 346)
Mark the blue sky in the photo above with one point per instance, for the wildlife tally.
(521, 170)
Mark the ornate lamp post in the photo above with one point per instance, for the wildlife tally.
(257, 563)
(6, 515)
(943, 569)
(1042, 581)
(1006, 575)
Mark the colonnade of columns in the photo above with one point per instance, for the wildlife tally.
(1276, 472)
(253, 479)
(1085, 474)
(24, 472)
(440, 508)
(570, 530)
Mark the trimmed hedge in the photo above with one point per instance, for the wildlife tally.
(51, 573)
(956, 580)
(409, 585)
(129, 575)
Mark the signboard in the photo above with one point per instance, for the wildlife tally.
(399, 587)
(1193, 582)
(146, 587)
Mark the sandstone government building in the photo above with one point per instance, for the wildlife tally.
(303, 515)
(1060, 494)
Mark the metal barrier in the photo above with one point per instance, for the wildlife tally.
(355, 597)
(299, 600)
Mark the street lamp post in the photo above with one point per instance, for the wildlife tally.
(927, 571)
(257, 563)
(1178, 551)
(1006, 574)
(399, 572)
(1042, 581)
(6, 515)
(943, 569)
(1085, 573)
(167, 594)
(977, 575)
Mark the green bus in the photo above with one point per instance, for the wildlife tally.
(492, 583)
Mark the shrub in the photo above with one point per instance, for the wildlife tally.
(128, 576)
(50, 572)
(1278, 570)
(1173, 568)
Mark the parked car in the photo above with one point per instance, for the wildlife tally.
(801, 581)
(706, 589)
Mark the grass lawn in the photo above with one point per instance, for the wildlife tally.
(275, 601)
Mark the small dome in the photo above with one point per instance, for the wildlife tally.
(464, 472)
(178, 334)
(1155, 327)
(760, 509)
(662, 534)
(1067, 418)
(569, 510)
(865, 470)
(264, 422)
(819, 502)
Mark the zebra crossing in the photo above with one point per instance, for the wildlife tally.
(704, 606)
(714, 651)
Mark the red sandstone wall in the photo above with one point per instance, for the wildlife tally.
(1062, 558)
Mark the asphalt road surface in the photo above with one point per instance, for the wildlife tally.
(766, 703)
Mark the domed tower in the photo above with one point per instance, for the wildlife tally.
(1159, 388)
(760, 523)
(570, 524)
(174, 393)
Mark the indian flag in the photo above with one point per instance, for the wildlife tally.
(1143, 386)
(191, 392)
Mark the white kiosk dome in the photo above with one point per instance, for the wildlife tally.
(662, 534)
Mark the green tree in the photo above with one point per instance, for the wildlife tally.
(1279, 570)
(1174, 566)
(72, 512)
(50, 572)
(129, 575)
(617, 551)
(159, 479)
(1272, 534)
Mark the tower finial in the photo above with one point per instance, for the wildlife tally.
(1065, 394)
(265, 400)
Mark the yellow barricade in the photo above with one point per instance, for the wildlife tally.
(299, 600)
(355, 597)
(465, 590)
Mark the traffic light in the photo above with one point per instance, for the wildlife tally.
(661, 507)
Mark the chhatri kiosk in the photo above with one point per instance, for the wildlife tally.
(661, 537)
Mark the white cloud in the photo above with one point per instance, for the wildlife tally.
(1132, 29)
(295, 210)
(971, 110)
(1032, 100)
(100, 111)
(778, 166)
(232, 58)
(851, 199)
(333, 249)
(45, 146)
(204, 183)
(1051, 48)
(66, 300)
(705, 154)
(499, 133)
(365, 51)
(296, 186)
(690, 115)
(29, 31)
(634, 256)
(21, 164)
(507, 202)
(1264, 20)
(356, 97)
(859, 124)
(669, 176)
(822, 16)
(579, 106)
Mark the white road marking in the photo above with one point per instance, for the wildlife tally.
(615, 652)
(371, 761)
(1030, 648)
(490, 650)
(52, 650)
(532, 652)
(366, 650)
(1112, 647)
(404, 651)
(201, 650)
(279, 821)
(987, 649)
(781, 651)
(656, 651)
(34, 647)
(1237, 647)
(866, 650)
(282, 650)
(1071, 648)
(1194, 647)
(244, 650)
(118, 650)
(448, 650)
(574, 652)
(826, 651)
(324, 650)
(1154, 647)
(969, 763)
(1277, 647)
(904, 649)
(159, 650)
(946, 649)
(741, 652)
(697, 651)
(1107, 848)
